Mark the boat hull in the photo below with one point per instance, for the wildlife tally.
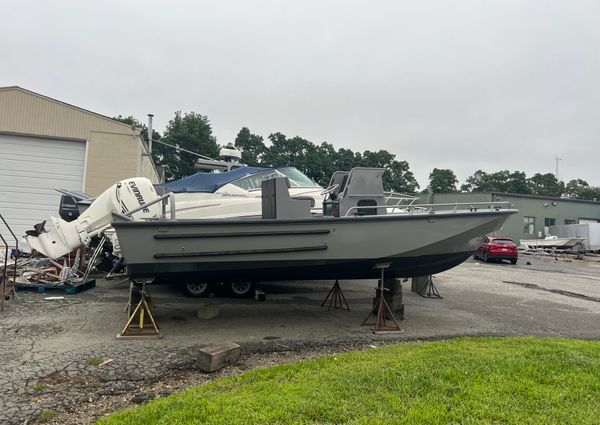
(559, 243)
(315, 248)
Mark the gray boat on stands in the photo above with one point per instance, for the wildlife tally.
(357, 230)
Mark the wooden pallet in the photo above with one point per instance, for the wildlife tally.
(43, 288)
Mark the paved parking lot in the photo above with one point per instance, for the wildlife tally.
(51, 348)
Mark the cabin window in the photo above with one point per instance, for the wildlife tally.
(529, 225)
(570, 221)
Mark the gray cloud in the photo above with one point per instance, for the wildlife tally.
(447, 84)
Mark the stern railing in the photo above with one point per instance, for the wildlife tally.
(452, 207)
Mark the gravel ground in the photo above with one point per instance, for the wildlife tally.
(53, 350)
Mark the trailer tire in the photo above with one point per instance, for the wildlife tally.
(196, 289)
(242, 289)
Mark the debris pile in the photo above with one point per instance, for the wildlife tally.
(30, 271)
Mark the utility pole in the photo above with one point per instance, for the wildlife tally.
(558, 159)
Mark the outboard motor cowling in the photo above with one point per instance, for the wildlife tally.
(68, 209)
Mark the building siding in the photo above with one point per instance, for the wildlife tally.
(22, 111)
(115, 150)
(109, 160)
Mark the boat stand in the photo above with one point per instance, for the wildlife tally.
(430, 290)
(336, 298)
(139, 329)
(383, 309)
(8, 286)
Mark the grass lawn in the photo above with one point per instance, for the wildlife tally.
(462, 381)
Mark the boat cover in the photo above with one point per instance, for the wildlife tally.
(208, 182)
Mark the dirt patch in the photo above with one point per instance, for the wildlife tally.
(113, 396)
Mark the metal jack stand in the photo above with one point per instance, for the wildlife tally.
(9, 293)
(383, 308)
(141, 329)
(429, 290)
(336, 298)
(92, 260)
(5, 275)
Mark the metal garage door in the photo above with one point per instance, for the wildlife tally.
(30, 169)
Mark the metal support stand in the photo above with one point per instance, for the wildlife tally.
(429, 290)
(336, 298)
(92, 259)
(10, 293)
(142, 329)
(383, 308)
(4, 274)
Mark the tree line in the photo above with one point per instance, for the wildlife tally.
(444, 181)
(193, 132)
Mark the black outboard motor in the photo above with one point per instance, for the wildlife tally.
(68, 208)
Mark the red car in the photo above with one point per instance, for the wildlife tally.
(497, 248)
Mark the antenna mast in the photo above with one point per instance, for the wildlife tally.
(557, 159)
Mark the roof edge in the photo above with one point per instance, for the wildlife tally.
(68, 105)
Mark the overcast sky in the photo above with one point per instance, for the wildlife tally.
(464, 85)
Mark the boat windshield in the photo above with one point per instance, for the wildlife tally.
(296, 178)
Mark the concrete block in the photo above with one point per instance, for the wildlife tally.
(207, 311)
(217, 356)
(398, 310)
(393, 285)
(259, 295)
(419, 283)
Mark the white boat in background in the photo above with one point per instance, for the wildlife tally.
(229, 194)
(235, 193)
(550, 242)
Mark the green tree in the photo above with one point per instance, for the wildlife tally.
(192, 132)
(481, 181)
(546, 185)
(478, 182)
(580, 189)
(442, 181)
(294, 151)
(346, 159)
(251, 145)
(321, 163)
(399, 178)
(378, 159)
(576, 189)
(500, 181)
(131, 120)
(517, 183)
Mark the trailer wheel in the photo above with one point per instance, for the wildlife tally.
(242, 289)
(196, 289)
